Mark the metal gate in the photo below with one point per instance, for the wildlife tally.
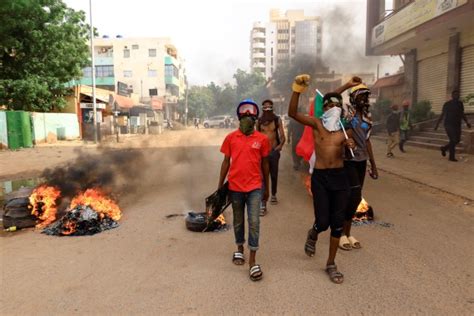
(467, 77)
(432, 81)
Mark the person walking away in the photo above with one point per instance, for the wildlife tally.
(405, 124)
(329, 182)
(271, 125)
(359, 118)
(245, 160)
(393, 128)
(453, 114)
(196, 122)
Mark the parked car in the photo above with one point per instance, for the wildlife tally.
(216, 121)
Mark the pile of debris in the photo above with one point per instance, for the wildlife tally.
(80, 221)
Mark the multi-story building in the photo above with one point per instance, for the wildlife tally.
(148, 66)
(436, 41)
(282, 38)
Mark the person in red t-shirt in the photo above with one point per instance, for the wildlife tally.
(245, 157)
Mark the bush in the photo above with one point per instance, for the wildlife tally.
(421, 111)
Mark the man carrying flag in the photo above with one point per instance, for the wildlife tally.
(329, 183)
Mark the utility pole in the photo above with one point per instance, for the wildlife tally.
(94, 104)
(186, 104)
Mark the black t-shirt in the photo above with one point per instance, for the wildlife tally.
(453, 113)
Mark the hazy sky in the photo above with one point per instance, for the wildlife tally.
(213, 36)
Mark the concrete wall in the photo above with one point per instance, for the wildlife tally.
(3, 130)
(49, 127)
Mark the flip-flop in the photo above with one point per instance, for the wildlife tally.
(354, 242)
(238, 258)
(344, 243)
(335, 276)
(310, 245)
(255, 273)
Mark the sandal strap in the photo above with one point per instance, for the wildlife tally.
(238, 255)
(255, 269)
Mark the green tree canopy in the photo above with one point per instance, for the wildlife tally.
(42, 47)
(205, 101)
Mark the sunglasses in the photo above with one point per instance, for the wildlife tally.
(248, 109)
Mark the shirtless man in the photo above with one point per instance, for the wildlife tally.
(270, 125)
(329, 183)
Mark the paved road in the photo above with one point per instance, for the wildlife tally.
(423, 264)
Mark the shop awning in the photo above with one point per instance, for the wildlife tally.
(389, 81)
(98, 96)
(121, 101)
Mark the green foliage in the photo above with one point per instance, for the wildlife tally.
(205, 101)
(42, 46)
(421, 111)
(380, 110)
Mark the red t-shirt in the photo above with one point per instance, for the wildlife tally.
(246, 153)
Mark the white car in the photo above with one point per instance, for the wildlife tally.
(218, 121)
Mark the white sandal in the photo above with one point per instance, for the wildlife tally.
(344, 243)
(354, 242)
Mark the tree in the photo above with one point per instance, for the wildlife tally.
(249, 85)
(42, 47)
(200, 102)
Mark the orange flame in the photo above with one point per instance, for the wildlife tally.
(221, 219)
(363, 206)
(43, 201)
(96, 199)
(69, 227)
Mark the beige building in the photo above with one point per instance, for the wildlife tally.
(282, 38)
(436, 41)
(148, 66)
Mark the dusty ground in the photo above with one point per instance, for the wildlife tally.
(423, 264)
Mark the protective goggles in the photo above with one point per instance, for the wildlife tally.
(334, 100)
(247, 109)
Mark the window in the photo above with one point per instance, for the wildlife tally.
(87, 72)
(126, 53)
(152, 52)
(127, 73)
(104, 71)
(152, 73)
(153, 92)
(135, 46)
(172, 71)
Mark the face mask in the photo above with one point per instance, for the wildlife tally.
(246, 125)
(331, 119)
(266, 109)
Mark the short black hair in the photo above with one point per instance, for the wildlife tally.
(267, 101)
(327, 97)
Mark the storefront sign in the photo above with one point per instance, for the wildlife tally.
(99, 106)
(410, 17)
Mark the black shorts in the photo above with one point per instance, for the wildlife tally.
(330, 189)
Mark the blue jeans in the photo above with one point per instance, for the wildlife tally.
(252, 200)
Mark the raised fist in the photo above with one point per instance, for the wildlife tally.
(355, 81)
(301, 83)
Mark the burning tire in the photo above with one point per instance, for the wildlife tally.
(196, 222)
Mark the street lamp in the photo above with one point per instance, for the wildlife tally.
(94, 104)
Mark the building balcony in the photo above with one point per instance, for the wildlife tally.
(99, 81)
(99, 60)
(258, 56)
(172, 80)
(258, 66)
(258, 45)
(258, 35)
